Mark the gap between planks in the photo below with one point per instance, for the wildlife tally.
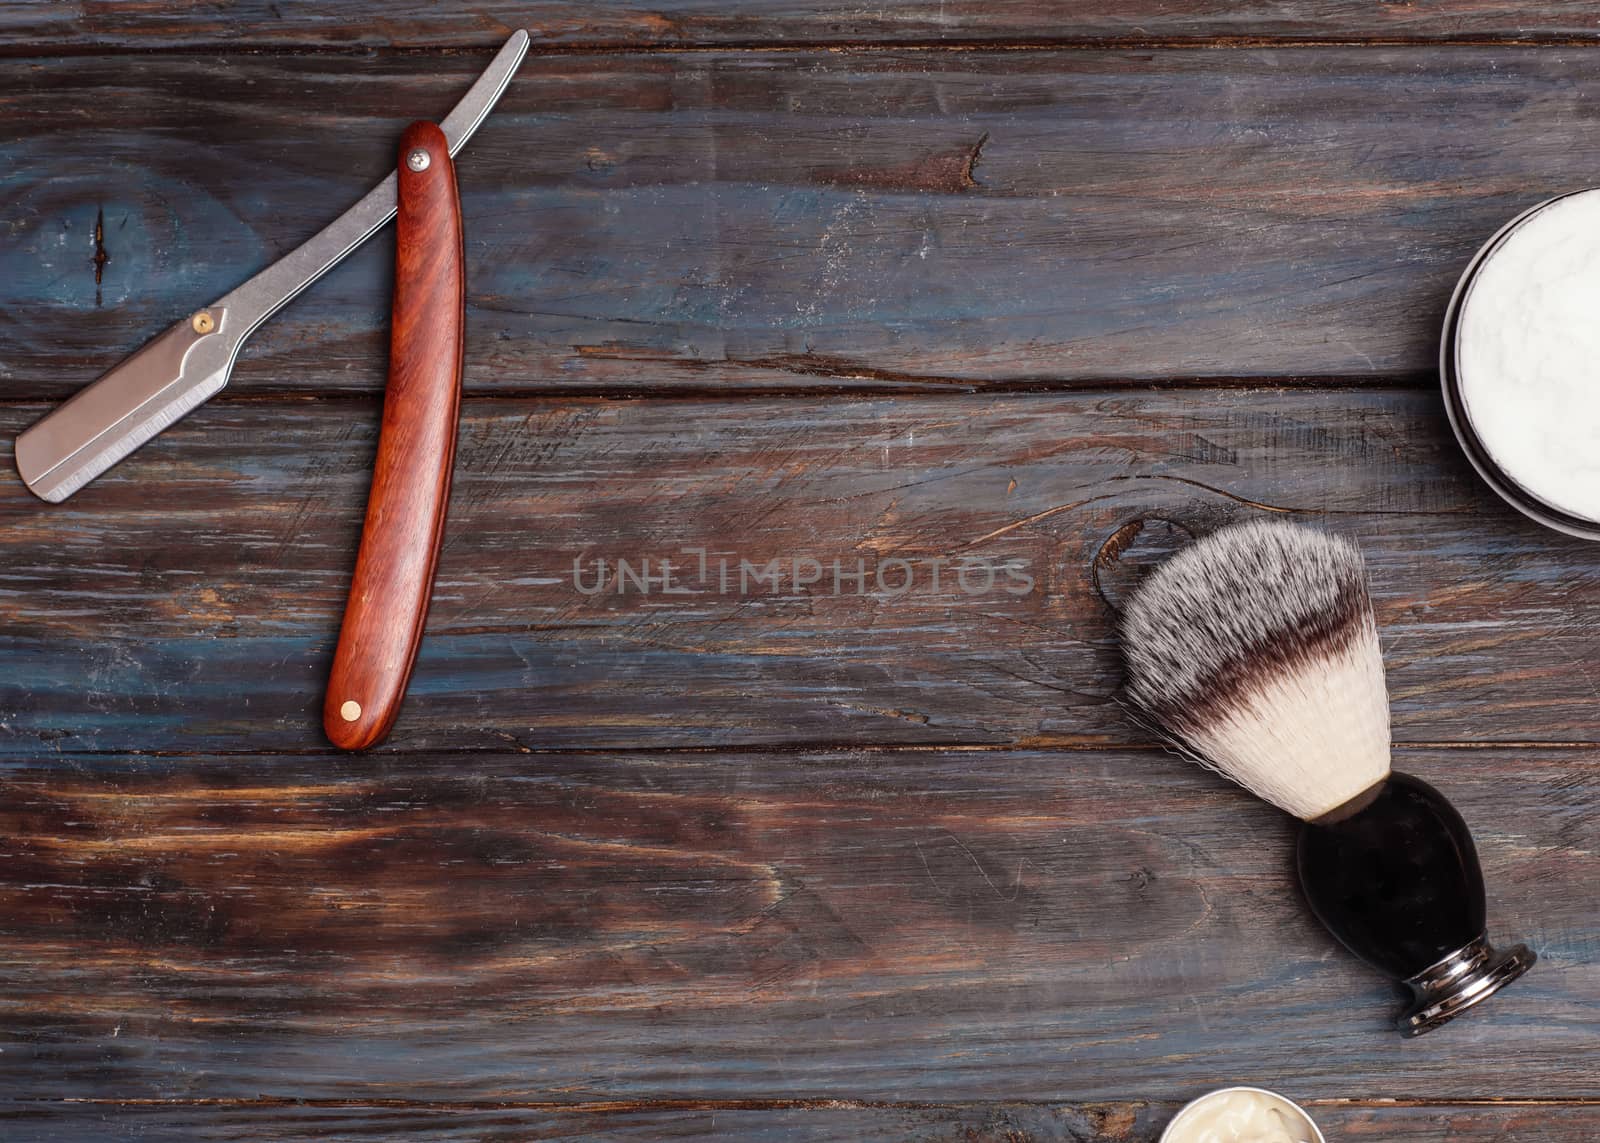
(839, 387)
(822, 46)
(769, 748)
(821, 1103)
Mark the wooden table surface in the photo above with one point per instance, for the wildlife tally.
(919, 286)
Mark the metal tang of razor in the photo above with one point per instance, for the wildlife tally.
(183, 367)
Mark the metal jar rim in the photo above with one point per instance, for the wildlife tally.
(1493, 475)
(1316, 1132)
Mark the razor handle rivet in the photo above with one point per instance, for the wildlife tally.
(350, 711)
(418, 160)
(203, 322)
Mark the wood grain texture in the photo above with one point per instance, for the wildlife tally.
(903, 926)
(40, 25)
(768, 863)
(188, 600)
(716, 221)
(405, 517)
(833, 1121)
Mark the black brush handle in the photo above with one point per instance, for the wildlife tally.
(1398, 882)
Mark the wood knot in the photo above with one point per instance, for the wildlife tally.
(1131, 553)
(1112, 1120)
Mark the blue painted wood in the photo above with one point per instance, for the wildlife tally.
(894, 925)
(766, 897)
(714, 221)
(829, 1122)
(189, 599)
(64, 26)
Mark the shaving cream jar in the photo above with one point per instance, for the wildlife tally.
(1242, 1115)
(1520, 363)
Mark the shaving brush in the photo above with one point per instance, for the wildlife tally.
(1256, 652)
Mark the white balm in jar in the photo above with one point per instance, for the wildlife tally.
(1242, 1115)
(1521, 363)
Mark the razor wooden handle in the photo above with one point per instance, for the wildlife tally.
(388, 603)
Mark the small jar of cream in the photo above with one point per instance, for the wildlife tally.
(1242, 1115)
(1518, 363)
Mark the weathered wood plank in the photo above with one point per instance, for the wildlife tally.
(718, 220)
(888, 925)
(33, 26)
(829, 1123)
(189, 599)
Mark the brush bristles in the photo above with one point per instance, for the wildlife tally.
(1256, 649)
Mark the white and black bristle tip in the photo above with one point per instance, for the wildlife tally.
(1256, 650)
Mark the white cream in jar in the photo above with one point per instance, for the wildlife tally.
(1242, 1115)
(1527, 354)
